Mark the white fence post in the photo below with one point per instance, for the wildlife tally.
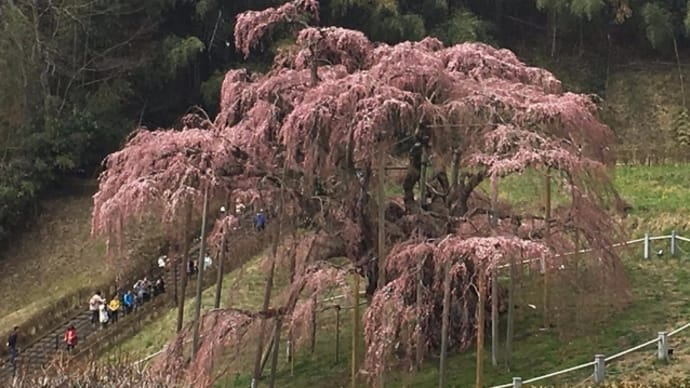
(662, 346)
(646, 246)
(517, 382)
(599, 368)
(674, 244)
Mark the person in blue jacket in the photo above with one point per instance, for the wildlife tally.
(128, 301)
(260, 220)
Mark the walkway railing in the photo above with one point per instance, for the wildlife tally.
(600, 361)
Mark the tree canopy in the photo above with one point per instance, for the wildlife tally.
(318, 126)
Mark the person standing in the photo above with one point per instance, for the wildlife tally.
(12, 346)
(71, 337)
(94, 303)
(128, 301)
(103, 315)
(260, 220)
(114, 307)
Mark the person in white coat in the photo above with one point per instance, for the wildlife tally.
(103, 315)
(94, 303)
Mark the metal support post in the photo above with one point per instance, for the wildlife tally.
(662, 347)
(599, 368)
(647, 246)
(517, 382)
(674, 244)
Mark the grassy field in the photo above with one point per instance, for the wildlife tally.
(659, 195)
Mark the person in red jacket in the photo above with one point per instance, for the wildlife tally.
(71, 337)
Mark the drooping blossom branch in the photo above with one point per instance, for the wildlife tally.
(252, 26)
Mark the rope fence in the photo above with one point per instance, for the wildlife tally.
(600, 361)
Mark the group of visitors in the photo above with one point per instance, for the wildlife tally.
(104, 312)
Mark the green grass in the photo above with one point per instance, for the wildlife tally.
(655, 189)
(659, 195)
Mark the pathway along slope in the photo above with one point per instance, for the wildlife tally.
(43, 351)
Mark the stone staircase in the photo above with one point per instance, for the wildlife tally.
(43, 350)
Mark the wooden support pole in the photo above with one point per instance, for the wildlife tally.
(494, 279)
(481, 306)
(337, 333)
(181, 294)
(276, 349)
(355, 330)
(313, 326)
(200, 277)
(444, 325)
(419, 351)
(511, 313)
(494, 319)
(258, 364)
(291, 353)
(381, 220)
(547, 217)
(219, 275)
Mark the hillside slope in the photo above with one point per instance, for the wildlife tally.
(52, 258)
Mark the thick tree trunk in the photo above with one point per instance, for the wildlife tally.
(455, 171)
(200, 277)
(461, 194)
(444, 325)
(412, 176)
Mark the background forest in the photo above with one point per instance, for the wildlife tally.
(77, 76)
